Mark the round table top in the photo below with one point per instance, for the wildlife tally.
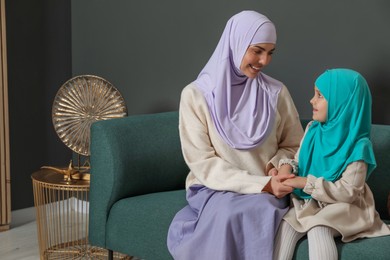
(51, 177)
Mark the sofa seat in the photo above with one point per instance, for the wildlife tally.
(377, 248)
(150, 216)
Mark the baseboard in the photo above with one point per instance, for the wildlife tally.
(22, 216)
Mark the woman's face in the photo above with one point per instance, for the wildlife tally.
(320, 106)
(256, 57)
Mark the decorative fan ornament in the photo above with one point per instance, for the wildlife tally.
(81, 101)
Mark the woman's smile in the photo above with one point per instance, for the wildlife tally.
(255, 68)
(256, 57)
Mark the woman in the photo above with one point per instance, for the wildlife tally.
(335, 159)
(235, 124)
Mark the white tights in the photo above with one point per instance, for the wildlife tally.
(321, 242)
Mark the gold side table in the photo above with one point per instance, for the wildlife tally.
(62, 210)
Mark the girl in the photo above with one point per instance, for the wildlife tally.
(331, 197)
(235, 124)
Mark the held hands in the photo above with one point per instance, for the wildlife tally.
(296, 182)
(276, 185)
(283, 182)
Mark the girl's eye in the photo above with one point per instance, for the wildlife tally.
(318, 94)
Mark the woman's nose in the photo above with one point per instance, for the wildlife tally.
(264, 59)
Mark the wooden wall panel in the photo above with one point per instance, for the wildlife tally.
(5, 180)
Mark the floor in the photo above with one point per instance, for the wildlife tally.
(20, 242)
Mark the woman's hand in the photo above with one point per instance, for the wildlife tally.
(297, 182)
(276, 186)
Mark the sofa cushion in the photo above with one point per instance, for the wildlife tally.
(360, 249)
(150, 216)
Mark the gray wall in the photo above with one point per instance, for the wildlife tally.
(39, 62)
(151, 49)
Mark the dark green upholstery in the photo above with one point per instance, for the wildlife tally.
(137, 186)
(137, 161)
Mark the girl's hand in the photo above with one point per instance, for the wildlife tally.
(276, 186)
(285, 170)
(297, 182)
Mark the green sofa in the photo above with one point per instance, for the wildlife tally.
(137, 186)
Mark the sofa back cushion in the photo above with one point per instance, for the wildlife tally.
(379, 180)
(150, 146)
(144, 151)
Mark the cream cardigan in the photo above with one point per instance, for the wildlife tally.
(346, 205)
(216, 165)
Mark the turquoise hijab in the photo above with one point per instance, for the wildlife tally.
(329, 147)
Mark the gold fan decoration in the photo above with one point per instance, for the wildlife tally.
(81, 101)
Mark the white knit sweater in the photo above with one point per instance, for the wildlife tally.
(216, 165)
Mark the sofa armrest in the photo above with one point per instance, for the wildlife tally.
(132, 156)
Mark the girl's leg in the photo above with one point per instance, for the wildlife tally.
(321, 243)
(285, 241)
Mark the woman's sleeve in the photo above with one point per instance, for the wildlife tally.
(346, 189)
(289, 129)
(199, 154)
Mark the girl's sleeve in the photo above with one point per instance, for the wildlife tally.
(289, 129)
(200, 156)
(346, 189)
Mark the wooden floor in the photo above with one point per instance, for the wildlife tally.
(20, 242)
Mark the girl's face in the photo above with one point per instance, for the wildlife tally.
(320, 106)
(256, 57)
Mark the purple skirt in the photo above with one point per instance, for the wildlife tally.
(225, 225)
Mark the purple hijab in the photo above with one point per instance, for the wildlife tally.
(242, 108)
